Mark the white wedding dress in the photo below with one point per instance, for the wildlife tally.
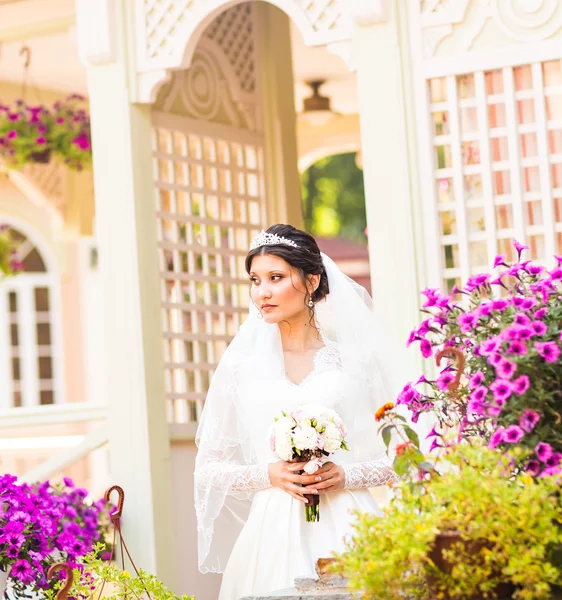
(276, 543)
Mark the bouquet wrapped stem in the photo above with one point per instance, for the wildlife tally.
(312, 506)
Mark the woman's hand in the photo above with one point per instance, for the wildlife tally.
(283, 475)
(332, 478)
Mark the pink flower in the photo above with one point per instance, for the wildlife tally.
(554, 459)
(519, 247)
(518, 301)
(521, 384)
(517, 347)
(513, 434)
(13, 117)
(538, 327)
(548, 350)
(484, 309)
(494, 411)
(533, 467)
(445, 378)
(497, 438)
(550, 471)
(476, 379)
(528, 420)
(312, 466)
(426, 349)
(467, 321)
(501, 389)
(522, 319)
(540, 313)
(490, 346)
(495, 359)
(41, 140)
(506, 369)
(500, 305)
(12, 134)
(543, 451)
(529, 303)
(499, 260)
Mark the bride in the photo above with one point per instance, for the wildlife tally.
(310, 338)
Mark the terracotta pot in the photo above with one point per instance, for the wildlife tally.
(41, 156)
(444, 541)
(323, 565)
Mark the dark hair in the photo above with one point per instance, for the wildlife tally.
(306, 258)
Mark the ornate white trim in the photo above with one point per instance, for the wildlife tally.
(169, 31)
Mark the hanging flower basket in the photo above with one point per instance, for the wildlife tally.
(36, 134)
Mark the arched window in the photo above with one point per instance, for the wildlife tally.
(29, 330)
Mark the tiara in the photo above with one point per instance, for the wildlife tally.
(270, 239)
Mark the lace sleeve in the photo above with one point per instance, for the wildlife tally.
(233, 479)
(368, 474)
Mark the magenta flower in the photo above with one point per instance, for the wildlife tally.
(538, 327)
(495, 359)
(533, 467)
(534, 270)
(12, 135)
(543, 451)
(529, 303)
(528, 420)
(506, 369)
(12, 552)
(551, 471)
(444, 379)
(499, 305)
(499, 260)
(554, 459)
(411, 339)
(41, 140)
(476, 379)
(13, 117)
(484, 309)
(426, 349)
(476, 281)
(521, 319)
(540, 313)
(519, 247)
(467, 321)
(548, 350)
(489, 347)
(513, 434)
(494, 411)
(435, 444)
(521, 384)
(518, 301)
(22, 570)
(497, 438)
(476, 406)
(517, 347)
(501, 389)
(423, 329)
(556, 274)
(432, 433)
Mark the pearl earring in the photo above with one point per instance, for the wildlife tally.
(311, 302)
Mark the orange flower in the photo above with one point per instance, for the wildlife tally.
(401, 448)
(381, 412)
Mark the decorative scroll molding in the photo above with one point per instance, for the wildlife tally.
(170, 30)
(519, 20)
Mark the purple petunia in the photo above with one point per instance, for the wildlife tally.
(495, 359)
(528, 420)
(426, 349)
(517, 347)
(501, 389)
(476, 379)
(538, 327)
(490, 346)
(540, 313)
(513, 434)
(533, 467)
(497, 438)
(554, 459)
(505, 369)
(548, 350)
(543, 451)
(22, 570)
(521, 384)
(500, 305)
(467, 321)
(444, 379)
(519, 247)
(522, 319)
(499, 261)
(494, 411)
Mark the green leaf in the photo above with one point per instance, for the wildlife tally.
(386, 434)
(412, 435)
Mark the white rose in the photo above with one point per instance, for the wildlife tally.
(284, 448)
(305, 438)
(283, 425)
(332, 438)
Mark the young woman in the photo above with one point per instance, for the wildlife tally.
(310, 338)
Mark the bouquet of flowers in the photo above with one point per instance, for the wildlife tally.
(509, 330)
(42, 524)
(308, 434)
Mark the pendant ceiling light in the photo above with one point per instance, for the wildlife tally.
(317, 108)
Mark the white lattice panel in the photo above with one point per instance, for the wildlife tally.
(209, 203)
(233, 32)
(497, 165)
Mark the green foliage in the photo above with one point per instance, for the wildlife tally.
(334, 198)
(9, 264)
(514, 524)
(103, 580)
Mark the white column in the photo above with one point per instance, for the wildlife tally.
(389, 164)
(126, 235)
